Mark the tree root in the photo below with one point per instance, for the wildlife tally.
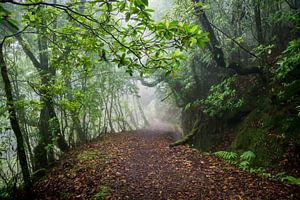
(187, 138)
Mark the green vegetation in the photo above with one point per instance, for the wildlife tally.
(103, 193)
(67, 71)
(245, 160)
(241, 92)
(225, 71)
(222, 99)
(269, 133)
(86, 155)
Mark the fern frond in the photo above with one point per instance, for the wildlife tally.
(247, 156)
(226, 155)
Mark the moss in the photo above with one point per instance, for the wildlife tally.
(186, 139)
(262, 132)
(87, 155)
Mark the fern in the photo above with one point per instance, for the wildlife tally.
(244, 162)
(291, 179)
(227, 155)
(247, 156)
(244, 165)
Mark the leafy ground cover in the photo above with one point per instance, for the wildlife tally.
(141, 165)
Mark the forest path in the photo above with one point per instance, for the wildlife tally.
(142, 166)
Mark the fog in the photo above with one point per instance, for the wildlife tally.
(160, 8)
(162, 115)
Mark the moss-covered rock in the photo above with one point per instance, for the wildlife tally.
(268, 132)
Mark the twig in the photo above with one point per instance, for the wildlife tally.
(13, 35)
(236, 42)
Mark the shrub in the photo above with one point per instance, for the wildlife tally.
(222, 99)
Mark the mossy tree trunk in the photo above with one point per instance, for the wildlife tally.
(14, 121)
(46, 72)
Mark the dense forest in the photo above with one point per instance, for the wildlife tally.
(149, 99)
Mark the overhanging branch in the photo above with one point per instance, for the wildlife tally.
(152, 84)
(25, 46)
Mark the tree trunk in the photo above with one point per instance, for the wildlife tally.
(121, 113)
(110, 114)
(21, 113)
(55, 127)
(45, 73)
(214, 46)
(81, 136)
(259, 30)
(146, 123)
(14, 121)
(257, 16)
(77, 127)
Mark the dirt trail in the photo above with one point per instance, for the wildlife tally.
(142, 166)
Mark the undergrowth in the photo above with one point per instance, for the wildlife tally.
(244, 161)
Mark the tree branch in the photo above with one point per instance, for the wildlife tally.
(14, 34)
(25, 47)
(237, 43)
(152, 84)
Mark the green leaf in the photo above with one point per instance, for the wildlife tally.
(173, 24)
(141, 3)
(169, 35)
(127, 16)
(193, 40)
(145, 2)
(149, 10)
(31, 17)
(292, 180)
(199, 4)
(13, 23)
(244, 165)
(247, 156)
(109, 7)
(193, 29)
(135, 10)
(167, 23)
(226, 155)
(187, 106)
(122, 6)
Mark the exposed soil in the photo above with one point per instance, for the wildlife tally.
(142, 166)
